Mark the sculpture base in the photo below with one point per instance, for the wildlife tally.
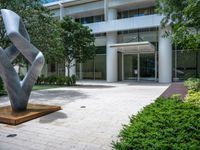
(33, 111)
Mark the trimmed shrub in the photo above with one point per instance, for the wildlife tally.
(193, 84)
(193, 97)
(73, 78)
(61, 80)
(165, 124)
(57, 80)
(40, 79)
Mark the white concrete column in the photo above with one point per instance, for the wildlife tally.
(112, 14)
(106, 10)
(165, 58)
(111, 53)
(111, 58)
(122, 66)
(61, 11)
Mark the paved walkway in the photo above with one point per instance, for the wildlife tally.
(91, 117)
(175, 88)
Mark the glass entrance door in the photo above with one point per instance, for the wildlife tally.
(147, 66)
(131, 67)
(139, 67)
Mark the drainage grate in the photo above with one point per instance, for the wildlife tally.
(11, 135)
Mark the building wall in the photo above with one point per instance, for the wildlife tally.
(110, 23)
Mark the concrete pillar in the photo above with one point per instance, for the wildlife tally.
(111, 58)
(111, 53)
(165, 58)
(61, 11)
(122, 66)
(112, 14)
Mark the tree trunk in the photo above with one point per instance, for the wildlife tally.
(68, 70)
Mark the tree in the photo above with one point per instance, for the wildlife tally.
(184, 18)
(42, 27)
(78, 42)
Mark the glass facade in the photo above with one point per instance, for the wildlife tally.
(94, 69)
(145, 70)
(136, 12)
(185, 64)
(147, 66)
(55, 69)
(130, 67)
(90, 19)
(148, 34)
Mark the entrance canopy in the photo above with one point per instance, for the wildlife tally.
(134, 47)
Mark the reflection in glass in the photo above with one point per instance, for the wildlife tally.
(187, 64)
(147, 66)
(130, 67)
(88, 69)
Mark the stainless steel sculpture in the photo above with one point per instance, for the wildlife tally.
(18, 91)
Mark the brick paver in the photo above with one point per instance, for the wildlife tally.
(92, 127)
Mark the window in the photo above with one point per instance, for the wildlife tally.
(136, 12)
(133, 13)
(144, 11)
(90, 19)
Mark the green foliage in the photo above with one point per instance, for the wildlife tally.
(73, 79)
(193, 97)
(57, 80)
(165, 124)
(43, 28)
(78, 42)
(193, 84)
(176, 96)
(1, 86)
(184, 18)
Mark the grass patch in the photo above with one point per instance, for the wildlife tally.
(44, 87)
(165, 124)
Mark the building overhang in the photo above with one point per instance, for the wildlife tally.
(134, 47)
(66, 3)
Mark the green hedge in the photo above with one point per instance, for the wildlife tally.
(193, 84)
(193, 97)
(57, 80)
(163, 125)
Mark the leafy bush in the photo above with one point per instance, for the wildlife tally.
(61, 80)
(73, 78)
(40, 79)
(165, 124)
(1, 86)
(51, 79)
(193, 97)
(193, 84)
(57, 80)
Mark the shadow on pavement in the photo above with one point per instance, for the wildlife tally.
(94, 86)
(53, 117)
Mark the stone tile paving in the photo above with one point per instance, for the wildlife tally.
(91, 117)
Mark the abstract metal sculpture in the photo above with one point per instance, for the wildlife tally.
(18, 91)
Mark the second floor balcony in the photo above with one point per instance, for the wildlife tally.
(126, 24)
